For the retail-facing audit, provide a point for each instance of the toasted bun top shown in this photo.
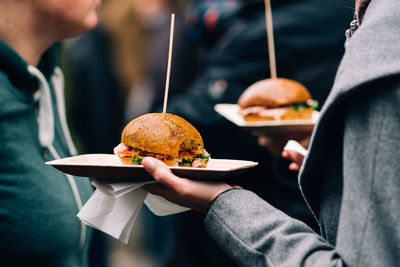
(271, 93)
(160, 133)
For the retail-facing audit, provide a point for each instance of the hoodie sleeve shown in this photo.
(253, 233)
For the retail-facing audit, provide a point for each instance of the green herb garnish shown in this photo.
(137, 160)
(309, 104)
(300, 106)
(204, 156)
(185, 163)
(313, 104)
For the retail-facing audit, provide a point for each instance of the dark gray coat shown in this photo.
(351, 178)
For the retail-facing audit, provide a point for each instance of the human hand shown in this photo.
(275, 143)
(271, 143)
(198, 195)
(296, 157)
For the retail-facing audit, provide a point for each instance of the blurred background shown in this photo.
(117, 72)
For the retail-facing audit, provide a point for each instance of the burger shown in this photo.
(276, 99)
(164, 136)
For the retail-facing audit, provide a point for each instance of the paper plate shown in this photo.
(231, 113)
(109, 168)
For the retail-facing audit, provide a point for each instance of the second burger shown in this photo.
(276, 99)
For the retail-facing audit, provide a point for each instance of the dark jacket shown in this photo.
(38, 222)
(350, 178)
(95, 96)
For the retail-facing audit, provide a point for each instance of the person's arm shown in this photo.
(253, 233)
(248, 229)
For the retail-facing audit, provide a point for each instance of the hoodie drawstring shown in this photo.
(58, 82)
(45, 120)
(45, 116)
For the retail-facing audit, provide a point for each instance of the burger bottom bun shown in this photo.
(128, 161)
(291, 114)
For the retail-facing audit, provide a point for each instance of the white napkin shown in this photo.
(113, 208)
(293, 145)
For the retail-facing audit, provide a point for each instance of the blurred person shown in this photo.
(101, 66)
(309, 43)
(349, 177)
(157, 22)
(117, 71)
(38, 222)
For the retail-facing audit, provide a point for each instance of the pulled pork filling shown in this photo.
(189, 156)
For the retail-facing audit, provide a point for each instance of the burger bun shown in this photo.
(272, 93)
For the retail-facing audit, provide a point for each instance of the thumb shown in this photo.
(160, 172)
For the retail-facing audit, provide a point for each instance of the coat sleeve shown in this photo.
(253, 233)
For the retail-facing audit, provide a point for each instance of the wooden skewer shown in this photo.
(270, 35)
(171, 41)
